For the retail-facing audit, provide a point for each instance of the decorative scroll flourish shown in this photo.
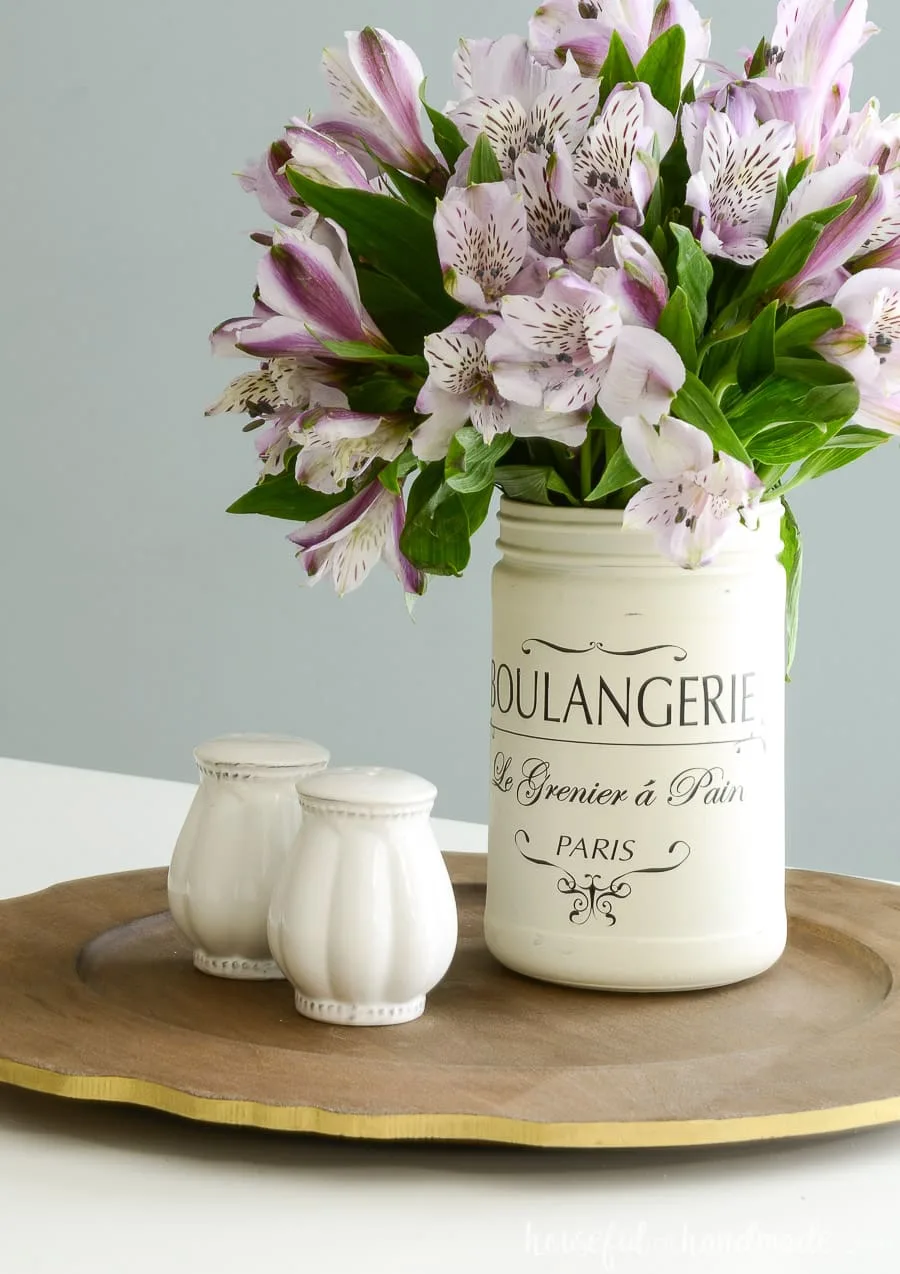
(527, 647)
(597, 896)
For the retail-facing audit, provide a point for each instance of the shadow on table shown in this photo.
(155, 1133)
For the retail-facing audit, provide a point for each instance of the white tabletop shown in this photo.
(115, 1190)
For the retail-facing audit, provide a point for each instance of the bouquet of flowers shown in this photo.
(611, 273)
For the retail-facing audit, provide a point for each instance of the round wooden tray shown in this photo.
(99, 1000)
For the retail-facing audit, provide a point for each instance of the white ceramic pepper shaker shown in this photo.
(363, 921)
(233, 846)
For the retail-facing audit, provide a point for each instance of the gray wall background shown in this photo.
(137, 618)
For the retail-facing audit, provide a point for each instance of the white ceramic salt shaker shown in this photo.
(233, 846)
(363, 921)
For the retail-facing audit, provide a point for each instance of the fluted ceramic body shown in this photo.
(637, 712)
(241, 825)
(363, 921)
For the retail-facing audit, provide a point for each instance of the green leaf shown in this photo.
(404, 317)
(382, 391)
(421, 198)
(790, 253)
(360, 352)
(389, 235)
(792, 561)
(471, 461)
(617, 69)
(805, 327)
(813, 370)
(437, 532)
(662, 65)
(757, 357)
(841, 450)
(786, 444)
(797, 172)
(677, 326)
(485, 167)
(759, 64)
(532, 484)
(283, 497)
(392, 475)
(788, 400)
(698, 407)
(619, 473)
(653, 218)
(448, 139)
(694, 273)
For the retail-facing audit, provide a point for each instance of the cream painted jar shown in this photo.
(637, 713)
(363, 921)
(233, 846)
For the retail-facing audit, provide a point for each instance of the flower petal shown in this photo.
(265, 178)
(482, 237)
(550, 222)
(319, 157)
(644, 376)
(300, 279)
(664, 454)
(447, 413)
(391, 74)
(456, 361)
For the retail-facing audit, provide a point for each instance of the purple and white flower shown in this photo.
(308, 293)
(375, 83)
(553, 351)
(868, 344)
(339, 445)
(635, 278)
(319, 157)
(279, 435)
(813, 48)
(550, 223)
(844, 238)
(583, 29)
(693, 500)
(734, 184)
(610, 176)
(265, 178)
(483, 243)
(644, 375)
(519, 104)
(461, 388)
(350, 540)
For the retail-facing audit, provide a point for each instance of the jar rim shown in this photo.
(352, 788)
(260, 752)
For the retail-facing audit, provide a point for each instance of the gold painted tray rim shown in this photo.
(455, 1127)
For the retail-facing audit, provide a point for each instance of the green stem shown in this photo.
(587, 467)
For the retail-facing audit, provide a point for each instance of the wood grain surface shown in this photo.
(99, 1000)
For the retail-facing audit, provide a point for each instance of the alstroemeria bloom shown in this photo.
(868, 344)
(645, 373)
(338, 446)
(875, 143)
(611, 175)
(276, 386)
(265, 178)
(692, 499)
(584, 28)
(309, 293)
(521, 106)
(843, 238)
(637, 281)
(461, 388)
(735, 181)
(550, 223)
(277, 437)
(347, 542)
(813, 47)
(483, 244)
(375, 83)
(553, 351)
(320, 158)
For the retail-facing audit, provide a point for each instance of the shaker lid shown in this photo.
(270, 751)
(368, 786)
